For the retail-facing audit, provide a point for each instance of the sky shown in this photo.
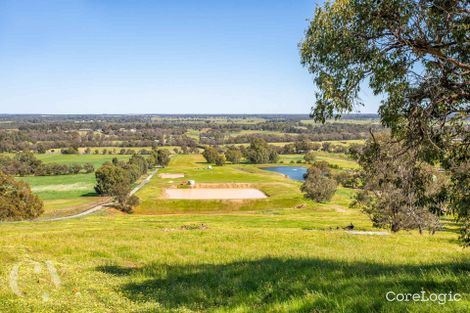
(173, 56)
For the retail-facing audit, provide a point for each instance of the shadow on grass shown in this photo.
(89, 194)
(295, 285)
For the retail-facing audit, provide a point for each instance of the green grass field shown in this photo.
(68, 194)
(267, 255)
(338, 159)
(264, 261)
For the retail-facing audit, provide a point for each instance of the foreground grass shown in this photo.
(251, 262)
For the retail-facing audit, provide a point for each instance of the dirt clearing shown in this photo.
(215, 194)
(167, 175)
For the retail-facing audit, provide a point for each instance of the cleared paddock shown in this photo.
(215, 194)
(168, 175)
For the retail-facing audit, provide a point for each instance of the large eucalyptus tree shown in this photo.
(414, 54)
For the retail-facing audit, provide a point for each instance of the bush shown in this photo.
(70, 150)
(128, 204)
(320, 189)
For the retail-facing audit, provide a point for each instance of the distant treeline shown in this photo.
(39, 134)
(25, 164)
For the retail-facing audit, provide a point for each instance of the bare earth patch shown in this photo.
(215, 193)
(167, 175)
(62, 187)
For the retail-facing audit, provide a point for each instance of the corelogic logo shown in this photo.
(38, 268)
(423, 296)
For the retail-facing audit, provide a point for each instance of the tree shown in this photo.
(349, 179)
(140, 162)
(317, 185)
(309, 157)
(415, 54)
(326, 146)
(399, 192)
(88, 168)
(210, 154)
(41, 149)
(112, 180)
(220, 160)
(28, 163)
(17, 202)
(75, 168)
(260, 152)
(233, 155)
(163, 157)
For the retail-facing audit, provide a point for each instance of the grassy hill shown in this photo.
(268, 261)
(280, 254)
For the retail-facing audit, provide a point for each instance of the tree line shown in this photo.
(258, 152)
(25, 164)
(117, 177)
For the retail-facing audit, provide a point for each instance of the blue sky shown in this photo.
(117, 56)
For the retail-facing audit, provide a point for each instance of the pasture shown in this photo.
(279, 254)
(281, 192)
(68, 194)
(280, 260)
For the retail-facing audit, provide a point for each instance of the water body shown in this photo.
(293, 172)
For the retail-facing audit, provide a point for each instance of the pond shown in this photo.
(293, 172)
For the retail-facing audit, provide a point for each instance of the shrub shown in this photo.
(70, 150)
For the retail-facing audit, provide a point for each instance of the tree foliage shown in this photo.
(260, 152)
(400, 192)
(233, 155)
(163, 157)
(416, 55)
(210, 154)
(112, 180)
(318, 184)
(17, 202)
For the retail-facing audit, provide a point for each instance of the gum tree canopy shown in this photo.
(414, 54)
